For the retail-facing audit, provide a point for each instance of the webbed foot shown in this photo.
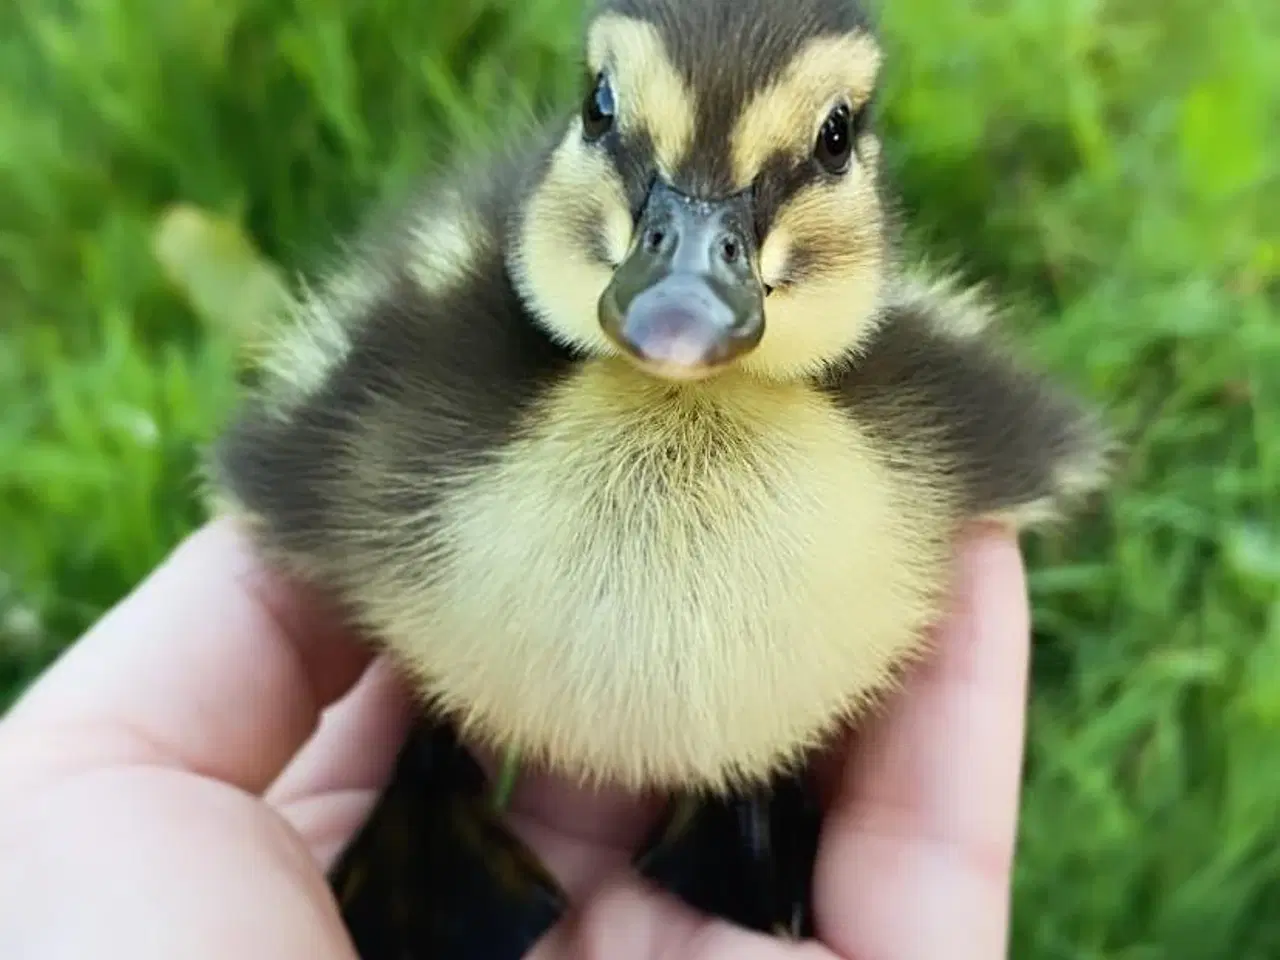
(435, 874)
(747, 858)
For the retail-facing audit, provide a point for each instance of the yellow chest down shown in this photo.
(671, 586)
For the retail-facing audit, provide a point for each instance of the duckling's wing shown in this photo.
(957, 410)
(384, 391)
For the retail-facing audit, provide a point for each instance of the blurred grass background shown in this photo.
(1109, 165)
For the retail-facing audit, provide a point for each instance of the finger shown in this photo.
(917, 852)
(212, 664)
(330, 788)
(356, 743)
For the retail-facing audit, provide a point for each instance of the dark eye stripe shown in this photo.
(633, 155)
(597, 243)
(801, 261)
(780, 178)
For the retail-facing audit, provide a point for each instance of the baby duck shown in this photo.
(645, 457)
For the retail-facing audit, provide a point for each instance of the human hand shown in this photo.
(179, 782)
(161, 791)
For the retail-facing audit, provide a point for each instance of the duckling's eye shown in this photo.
(598, 109)
(835, 140)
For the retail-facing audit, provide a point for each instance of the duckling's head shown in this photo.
(714, 203)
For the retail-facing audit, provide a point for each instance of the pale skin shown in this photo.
(177, 784)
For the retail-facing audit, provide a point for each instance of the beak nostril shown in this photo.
(653, 239)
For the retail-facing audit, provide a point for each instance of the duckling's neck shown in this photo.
(725, 409)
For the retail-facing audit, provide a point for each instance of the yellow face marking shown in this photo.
(814, 321)
(552, 261)
(825, 70)
(651, 95)
(838, 224)
(582, 193)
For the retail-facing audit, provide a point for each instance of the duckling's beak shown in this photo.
(688, 300)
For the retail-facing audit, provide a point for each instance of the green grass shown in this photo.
(1109, 165)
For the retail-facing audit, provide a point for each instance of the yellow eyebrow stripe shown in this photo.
(774, 121)
(652, 96)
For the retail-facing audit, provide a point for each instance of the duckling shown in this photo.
(644, 454)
